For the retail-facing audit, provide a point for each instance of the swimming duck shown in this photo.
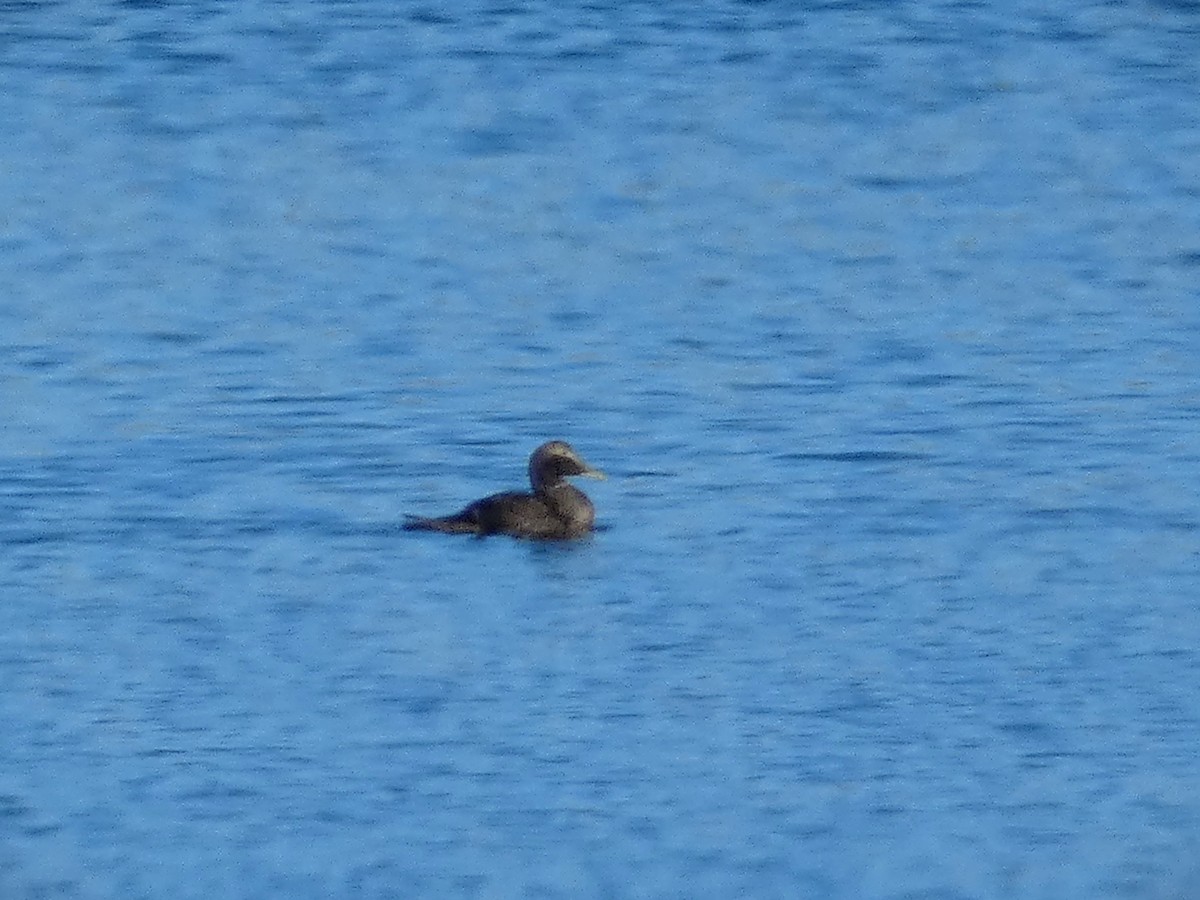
(555, 510)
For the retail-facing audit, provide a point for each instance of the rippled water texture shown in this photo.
(884, 320)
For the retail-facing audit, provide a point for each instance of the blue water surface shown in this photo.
(883, 319)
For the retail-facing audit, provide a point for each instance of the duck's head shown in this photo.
(554, 461)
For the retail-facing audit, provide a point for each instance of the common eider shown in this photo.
(555, 510)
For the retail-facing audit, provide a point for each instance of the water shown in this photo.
(882, 318)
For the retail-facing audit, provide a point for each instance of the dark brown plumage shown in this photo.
(555, 510)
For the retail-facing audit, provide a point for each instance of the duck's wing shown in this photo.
(515, 513)
(518, 514)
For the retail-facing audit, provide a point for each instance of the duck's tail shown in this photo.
(458, 524)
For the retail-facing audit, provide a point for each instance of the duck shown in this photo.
(554, 510)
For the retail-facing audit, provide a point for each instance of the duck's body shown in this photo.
(555, 510)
